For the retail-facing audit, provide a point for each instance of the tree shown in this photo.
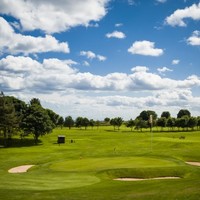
(69, 122)
(92, 123)
(78, 122)
(53, 116)
(171, 122)
(198, 122)
(183, 112)
(162, 122)
(182, 122)
(192, 122)
(117, 121)
(97, 123)
(8, 118)
(36, 121)
(166, 114)
(131, 124)
(140, 123)
(145, 115)
(35, 101)
(85, 122)
(107, 120)
(60, 122)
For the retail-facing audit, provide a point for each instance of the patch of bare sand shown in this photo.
(143, 179)
(193, 163)
(20, 169)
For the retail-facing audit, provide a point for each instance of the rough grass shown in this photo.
(85, 169)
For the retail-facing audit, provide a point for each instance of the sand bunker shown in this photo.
(20, 169)
(193, 163)
(143, 179)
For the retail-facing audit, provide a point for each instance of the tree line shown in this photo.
(18, 117)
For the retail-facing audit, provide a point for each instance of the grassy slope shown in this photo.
(86, 169)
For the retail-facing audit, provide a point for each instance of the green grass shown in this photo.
(86, 169)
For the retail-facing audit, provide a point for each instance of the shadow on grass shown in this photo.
(18, 142)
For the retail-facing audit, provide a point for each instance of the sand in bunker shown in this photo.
(143, 179)
(20, 169)
(194, 163)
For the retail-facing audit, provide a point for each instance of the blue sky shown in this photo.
(102, 58)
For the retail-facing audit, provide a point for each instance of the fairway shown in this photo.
(87, 167)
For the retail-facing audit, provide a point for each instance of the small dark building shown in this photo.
(61, 139)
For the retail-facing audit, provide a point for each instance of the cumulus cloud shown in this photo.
(145, 48)
(15, 43)
(116, 34)
(59, 75)
(194, 40)
(91, 55)
(57, 81)
(175, 62)
(54, 16)
(177, 18)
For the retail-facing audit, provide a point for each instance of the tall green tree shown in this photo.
(183, 112)
(171, 122)
(78, 122)
(60, 122)
(140, 123)
(116, 122)
(69, 122)
(8, 118)
(85, 122)
(53, 116)
(92, 123)
(145, 115)
(130, 124)
(36, 121)
(182, 122)
(192, 122)
(162, 122)
(166, 114)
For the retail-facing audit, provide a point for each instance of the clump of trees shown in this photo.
(18, 117)
(184, 121)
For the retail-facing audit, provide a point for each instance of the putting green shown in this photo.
(48, 181)
(98, 164)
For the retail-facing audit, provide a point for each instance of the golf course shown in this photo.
(103, 163)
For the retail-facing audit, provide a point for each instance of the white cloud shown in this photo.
(145, 48)
(85, 63)
(140, 69)
(131, 2)
(118, 24)
(58, 75)
(11, 42)
(88, 54)
(175, 62)
(54, 16)
(56, 81)
(177, 18)
(101, 58)
(116, 34)
(194, 40)
(161, 1)
(91, 55)
(163, 70)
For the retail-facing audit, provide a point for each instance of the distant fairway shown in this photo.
(86, 168)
